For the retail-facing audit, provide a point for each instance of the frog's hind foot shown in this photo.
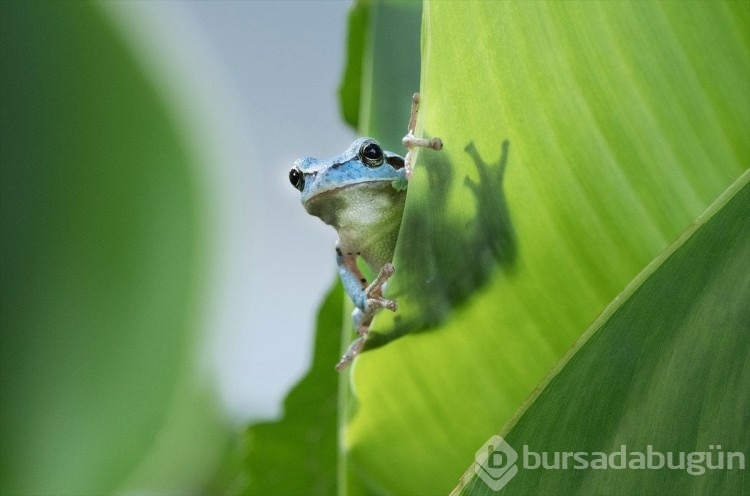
(351, 353)
(374, 292)
(362, 319)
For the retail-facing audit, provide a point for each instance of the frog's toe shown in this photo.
(351, 353)
(376, 303)
(386, 271)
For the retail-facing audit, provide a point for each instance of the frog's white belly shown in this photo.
(367, 217)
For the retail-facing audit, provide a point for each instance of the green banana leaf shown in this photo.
(581, 140)
(601, 131)
(664, 369)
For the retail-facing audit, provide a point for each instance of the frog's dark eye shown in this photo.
(371, 154)
(297, 179)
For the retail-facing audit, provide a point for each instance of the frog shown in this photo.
(361, 193)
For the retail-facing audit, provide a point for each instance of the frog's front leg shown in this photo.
(368, 299)
(410, 140)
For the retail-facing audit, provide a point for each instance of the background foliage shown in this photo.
(101, 260)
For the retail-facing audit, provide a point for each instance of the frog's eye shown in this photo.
(371, 154)
(296, 178)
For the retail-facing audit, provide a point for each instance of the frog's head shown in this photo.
(364, 170)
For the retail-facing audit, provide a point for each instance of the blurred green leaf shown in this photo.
(101, 256)
(391, 72)
(298, 454)
(382, 68)
(580, 140)
(350, 89)
(664, 366)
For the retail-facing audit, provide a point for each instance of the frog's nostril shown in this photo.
(297, 178)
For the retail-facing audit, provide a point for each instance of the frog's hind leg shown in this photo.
(368, 300)
(410, 140)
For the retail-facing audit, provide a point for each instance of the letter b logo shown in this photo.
(496, 463)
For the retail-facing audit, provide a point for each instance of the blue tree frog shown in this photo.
(361, 193)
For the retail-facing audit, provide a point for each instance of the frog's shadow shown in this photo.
(466, 253)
